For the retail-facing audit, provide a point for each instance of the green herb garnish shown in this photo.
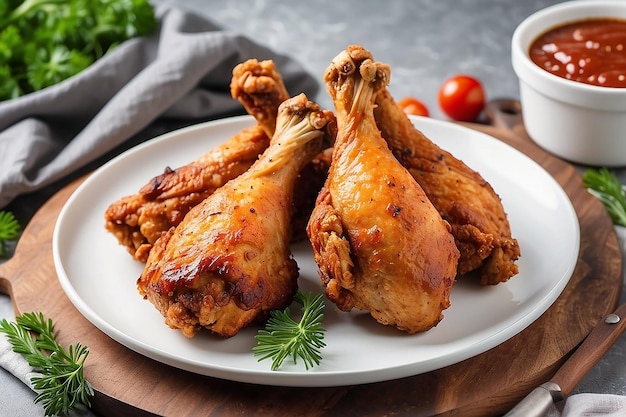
(9, 230)
(284, 337)
(62, 385)
(43, 42)
(608, 189)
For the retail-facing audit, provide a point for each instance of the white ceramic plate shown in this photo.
(98, 275)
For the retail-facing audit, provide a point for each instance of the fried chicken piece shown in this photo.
(260, 89)
(379, 243)
(461, 195)
(229, 262)
(138, 220)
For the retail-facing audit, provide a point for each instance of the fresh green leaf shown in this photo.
(44, 42)
(608, 189)
(10, 44)
(284, 337)
(9, 86)
(62, 385)
(9, 226)
(50, 67)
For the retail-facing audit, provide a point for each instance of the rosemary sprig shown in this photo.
(284, 337)
(603, 184)
(9, 230)
(62, 385)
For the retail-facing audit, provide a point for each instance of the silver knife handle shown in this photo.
(538, 402)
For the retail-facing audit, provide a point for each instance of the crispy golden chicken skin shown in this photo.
(379, 243)
(138, 220)
(460, 194)
(228, 262)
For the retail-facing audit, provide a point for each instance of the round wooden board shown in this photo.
(127, 383)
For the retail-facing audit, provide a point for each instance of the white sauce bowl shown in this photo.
(579, 122)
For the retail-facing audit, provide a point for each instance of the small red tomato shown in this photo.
(411, 105)
(462, 98)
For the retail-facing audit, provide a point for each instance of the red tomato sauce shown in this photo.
(590, 51)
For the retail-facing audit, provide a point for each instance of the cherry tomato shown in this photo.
(411, 105)
(462, 98)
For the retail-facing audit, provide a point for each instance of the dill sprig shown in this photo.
(603, 184)
(284, 337)
(61, 387)
(9, 230)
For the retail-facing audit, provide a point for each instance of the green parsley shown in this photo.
(43, 42)
(608, 189)
(62, 385)
(284, 337)
(9, 230)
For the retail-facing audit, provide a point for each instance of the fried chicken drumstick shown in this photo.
(138, 220)
(228, 262)
(379, 243)
(462, 197)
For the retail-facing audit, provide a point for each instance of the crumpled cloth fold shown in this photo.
(182, 71)
(15, 363)
(592, 405)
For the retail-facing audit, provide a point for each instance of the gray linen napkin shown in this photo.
(183, 71)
